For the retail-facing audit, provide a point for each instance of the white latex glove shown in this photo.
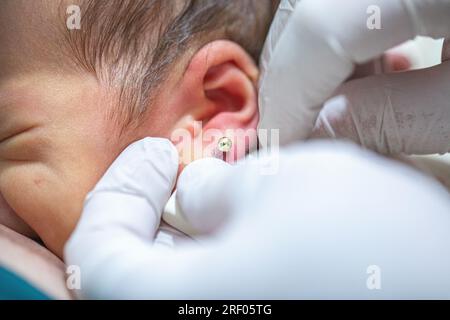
(313, 48)
(403, 113)
(273, 243)
(121, 215)
(330, 206)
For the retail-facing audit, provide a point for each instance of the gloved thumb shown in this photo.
(202, 196)
(147, 168)
(138, 183)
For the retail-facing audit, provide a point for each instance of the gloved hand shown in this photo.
(273, 244)
(314, 46)
(124, 210)
(403, 113)
(327, 202)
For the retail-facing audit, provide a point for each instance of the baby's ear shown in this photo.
(218, 96)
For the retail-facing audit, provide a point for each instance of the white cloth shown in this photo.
(312, 49)
(313, 230)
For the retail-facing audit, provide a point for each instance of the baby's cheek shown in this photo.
(24, 185)
(36, 195)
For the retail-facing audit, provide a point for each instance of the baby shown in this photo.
(71, 99)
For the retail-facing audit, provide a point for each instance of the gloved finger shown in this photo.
(284, 12)
(392, 114)
(203, 210)
(315, 55)
(138, 183)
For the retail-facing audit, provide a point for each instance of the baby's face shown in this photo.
(56, 133)
(55, 141)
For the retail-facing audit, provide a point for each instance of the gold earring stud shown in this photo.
(224, 145)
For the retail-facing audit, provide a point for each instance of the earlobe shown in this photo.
(219, 92)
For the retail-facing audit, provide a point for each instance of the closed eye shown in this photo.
(10, 136)
(28, 144)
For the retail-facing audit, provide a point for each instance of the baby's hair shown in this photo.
(133, 44)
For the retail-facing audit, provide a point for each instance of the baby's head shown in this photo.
(72, 99)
